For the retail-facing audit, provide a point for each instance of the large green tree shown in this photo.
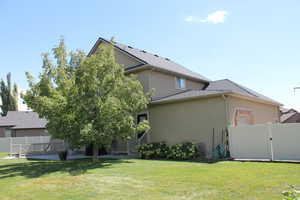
(9, 95)
(87, 100)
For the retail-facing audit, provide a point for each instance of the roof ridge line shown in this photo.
(113, 43)
(241, 87)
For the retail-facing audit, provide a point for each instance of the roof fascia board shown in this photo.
(188, 98)
(94, 48)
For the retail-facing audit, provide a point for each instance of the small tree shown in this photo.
(87, 100)
(9, 95)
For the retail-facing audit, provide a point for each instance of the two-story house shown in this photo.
(187, 106)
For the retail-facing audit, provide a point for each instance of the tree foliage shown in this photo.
(87, 99)
(9, 95)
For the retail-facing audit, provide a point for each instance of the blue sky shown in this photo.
(255, 43)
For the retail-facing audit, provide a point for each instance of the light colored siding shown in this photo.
(165, 84)
(263, 113)
(192, 121)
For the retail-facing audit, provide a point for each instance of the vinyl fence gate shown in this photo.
(265, 142)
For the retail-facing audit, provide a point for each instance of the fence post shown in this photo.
(213, 143)
(270, 138)
(10, 139)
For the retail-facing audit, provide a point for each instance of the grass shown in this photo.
(22, 179)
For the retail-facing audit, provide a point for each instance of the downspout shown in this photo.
(226, 110)
(226, 124)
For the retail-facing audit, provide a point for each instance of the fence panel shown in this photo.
(265, 141)
(5, 142)
(286, 141)
(249, 142)
(5, 145)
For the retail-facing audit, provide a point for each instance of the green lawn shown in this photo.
(144, 179)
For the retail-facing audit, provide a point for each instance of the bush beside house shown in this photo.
(182, 151)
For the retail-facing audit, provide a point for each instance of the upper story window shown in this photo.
(180, 83)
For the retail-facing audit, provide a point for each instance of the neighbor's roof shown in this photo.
(22, 120)
(216, 88)
(153, 60)
(286, 116)
(287, 110)
(287, 113)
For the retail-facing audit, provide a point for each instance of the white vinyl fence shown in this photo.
(25, 145)
(265, 141)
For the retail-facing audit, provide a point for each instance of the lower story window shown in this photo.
(140, 118)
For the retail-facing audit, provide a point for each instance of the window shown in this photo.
(180, 83)
(140, 118)
(243, 117)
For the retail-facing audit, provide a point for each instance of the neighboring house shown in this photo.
(22, 123)
(289, 115)
(187, 106)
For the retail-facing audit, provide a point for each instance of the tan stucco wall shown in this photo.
(192, 121)
(122, 58)
(125, 60)
(30, 132)
(143, 77)
(165, 84)
(263, 113)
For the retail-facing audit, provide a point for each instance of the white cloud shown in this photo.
(215, 18)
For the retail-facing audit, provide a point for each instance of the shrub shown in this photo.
(291, 194)
(184, 151)
(153, 150)
(63, 155)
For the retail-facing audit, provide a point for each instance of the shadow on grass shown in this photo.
(37, 168)
(200, 160)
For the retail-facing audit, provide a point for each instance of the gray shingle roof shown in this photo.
(216, 88)
(228, 85)
(155, 61)
(286, 116)
(287, 110)
(22, 120)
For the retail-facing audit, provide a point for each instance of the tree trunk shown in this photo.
(95, 152)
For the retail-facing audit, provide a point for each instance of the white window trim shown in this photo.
(177, 86)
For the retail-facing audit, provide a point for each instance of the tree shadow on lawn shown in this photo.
(35, 169)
